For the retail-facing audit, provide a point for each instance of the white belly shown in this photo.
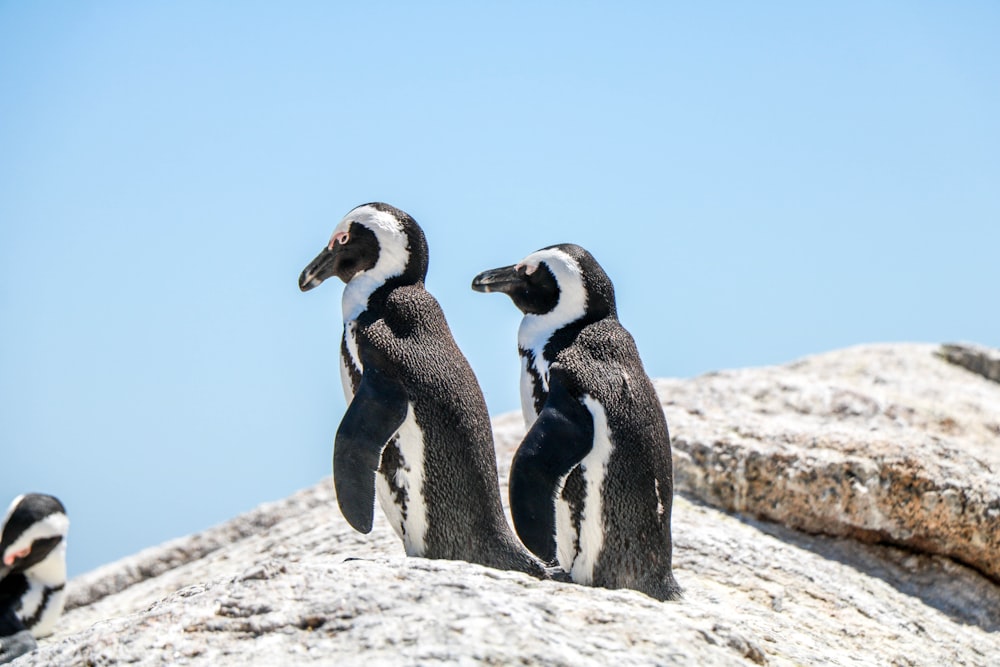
(353, 358)
(49, 616)
(578, 552)
(411, 528)
(527, 395)
(49, 573)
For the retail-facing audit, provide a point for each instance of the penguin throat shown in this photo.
(393, 260)
(535, 330)
(51, 570)
(357, 293)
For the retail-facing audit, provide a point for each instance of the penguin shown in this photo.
(32, 572)
(416, 434)
(591, 484)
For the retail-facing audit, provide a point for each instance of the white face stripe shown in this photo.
(580, 564)
(410, 476)
(535, 330)
(392, 258)
(54, 525)
(572, 305)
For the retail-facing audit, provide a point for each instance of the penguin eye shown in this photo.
(340, 238)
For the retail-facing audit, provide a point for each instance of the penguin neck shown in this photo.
(536, 329)
(363, 301)
(367, 291)
(535, 333)
(51, 570)
(357, 293)
(538, 344)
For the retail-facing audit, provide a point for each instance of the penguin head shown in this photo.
(33, 537)
(560, 284)
(376, 242)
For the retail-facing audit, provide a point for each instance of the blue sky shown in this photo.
(762, 181)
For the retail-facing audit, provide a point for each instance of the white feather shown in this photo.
(572, 305)
(565, 532)
(413, 528)
(578, 552)
(535, 330)
(393, 257)
(48, 573)
(54, 525)
(353, 358)
(527, 394)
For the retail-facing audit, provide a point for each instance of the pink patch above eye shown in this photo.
(13, 556)
(339, 237)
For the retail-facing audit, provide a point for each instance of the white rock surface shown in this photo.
(883, 443)
(291, 583)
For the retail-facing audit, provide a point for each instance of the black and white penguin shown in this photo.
(416, 433)
(591, 485)
(32, 572)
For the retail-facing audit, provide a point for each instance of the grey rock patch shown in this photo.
(979, 359)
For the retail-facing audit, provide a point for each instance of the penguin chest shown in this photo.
(580, 525)
(41, 606)
(399, 485)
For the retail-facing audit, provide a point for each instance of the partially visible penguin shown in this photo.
(32, 572)
(591, 484)
(416, 433)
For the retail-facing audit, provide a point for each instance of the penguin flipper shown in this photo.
(558, 440)
(15, 639)
(374, 415)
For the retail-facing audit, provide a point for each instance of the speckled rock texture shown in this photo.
(292, 584)
(884, 443)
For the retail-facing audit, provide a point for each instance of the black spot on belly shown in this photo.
(574, 494)
(538, 392)
(392, 462)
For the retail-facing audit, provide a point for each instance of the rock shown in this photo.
(292, 583)
(756, 593)
(171, 556)
(882, 443)
(982, 360)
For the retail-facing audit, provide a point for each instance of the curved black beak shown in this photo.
(318, 270)
(505, 279)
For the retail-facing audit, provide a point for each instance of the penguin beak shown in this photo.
(505, 279)
(319, 269)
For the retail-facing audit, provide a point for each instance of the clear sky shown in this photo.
(761, 181)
